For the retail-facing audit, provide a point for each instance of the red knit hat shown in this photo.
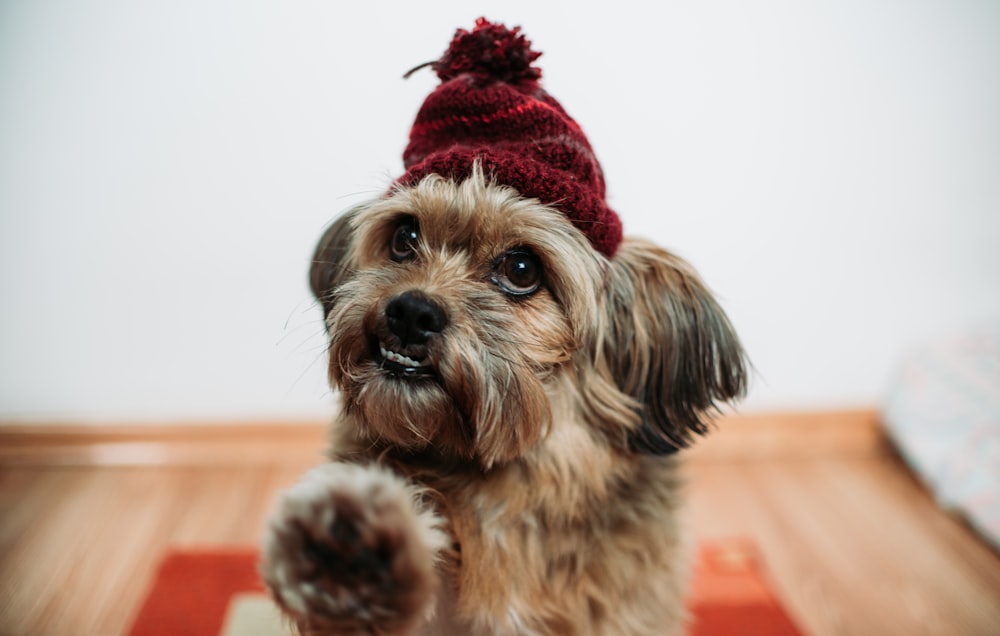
(490, 107)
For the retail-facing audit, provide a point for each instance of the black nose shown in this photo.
(414, 318)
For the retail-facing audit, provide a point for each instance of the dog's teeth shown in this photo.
(392, 356)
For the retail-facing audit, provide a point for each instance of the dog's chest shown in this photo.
(524, 544)
(564, 547)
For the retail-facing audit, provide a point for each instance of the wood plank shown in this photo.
(853, 544)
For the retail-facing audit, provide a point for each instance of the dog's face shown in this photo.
(455, 310)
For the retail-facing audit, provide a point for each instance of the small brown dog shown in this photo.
(516, 379)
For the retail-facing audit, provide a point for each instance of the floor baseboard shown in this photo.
(739, 437)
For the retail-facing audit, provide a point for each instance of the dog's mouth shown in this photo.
(408, 363)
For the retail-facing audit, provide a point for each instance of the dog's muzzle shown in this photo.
(414, 320)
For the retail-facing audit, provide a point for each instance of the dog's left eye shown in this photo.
(402, 245)
(518, 273)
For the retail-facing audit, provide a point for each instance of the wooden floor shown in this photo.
(853, 543)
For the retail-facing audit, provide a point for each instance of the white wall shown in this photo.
(832, 168)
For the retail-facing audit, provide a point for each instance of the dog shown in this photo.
(515, 388)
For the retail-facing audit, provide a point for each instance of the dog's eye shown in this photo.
(402, 246)
(518, 273)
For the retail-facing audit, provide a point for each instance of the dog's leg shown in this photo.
(352, 550)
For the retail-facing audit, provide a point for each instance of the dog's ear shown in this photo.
(669, 346)
(329, 264)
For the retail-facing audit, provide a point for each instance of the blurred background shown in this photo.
(832, 168)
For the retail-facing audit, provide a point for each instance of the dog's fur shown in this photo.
(528, 484)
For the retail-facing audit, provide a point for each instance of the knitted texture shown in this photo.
(490, 108)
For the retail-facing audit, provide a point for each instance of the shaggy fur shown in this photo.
(515, 472)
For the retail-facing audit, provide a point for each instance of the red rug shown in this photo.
(218, 593)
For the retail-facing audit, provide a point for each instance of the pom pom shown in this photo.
(491, 52)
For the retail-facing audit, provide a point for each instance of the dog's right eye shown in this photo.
(518, 273)
(402, 246)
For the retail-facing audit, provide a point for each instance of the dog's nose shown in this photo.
(414, 317)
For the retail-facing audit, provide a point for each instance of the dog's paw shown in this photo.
(352, 550)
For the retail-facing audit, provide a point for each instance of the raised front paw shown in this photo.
(351, 550)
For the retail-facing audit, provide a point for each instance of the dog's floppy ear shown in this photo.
(329, 263)
(669, 346)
